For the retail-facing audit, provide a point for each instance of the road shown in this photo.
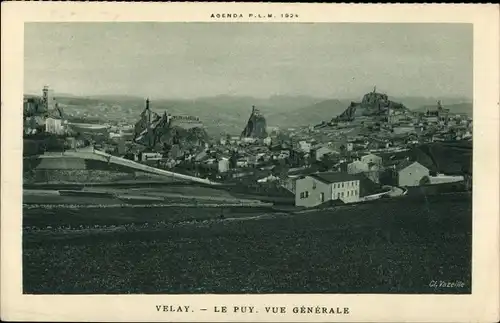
(89, 154)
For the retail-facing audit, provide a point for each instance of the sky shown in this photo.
(189, 60)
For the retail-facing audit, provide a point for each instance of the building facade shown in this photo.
(320, 152)
(372, 158)
(223, 165)
(357, 167)
(304, 146)
(54, 126)
(316, 189)
(411, 174)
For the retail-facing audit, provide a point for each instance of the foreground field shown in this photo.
(392, 247)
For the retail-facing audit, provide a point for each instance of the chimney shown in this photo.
(147, 104)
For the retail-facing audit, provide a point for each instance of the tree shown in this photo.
(326, 162)
(343, 149)
(281, 169)
(425, 180)
(233, 160)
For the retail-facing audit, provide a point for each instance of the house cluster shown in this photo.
(349, 147)
(360, 178)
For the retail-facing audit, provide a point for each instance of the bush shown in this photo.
(425, 180)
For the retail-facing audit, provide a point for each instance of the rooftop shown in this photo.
(405, 163)
(334, 177)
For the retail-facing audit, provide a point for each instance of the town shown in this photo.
(375, 149)
(250, 158)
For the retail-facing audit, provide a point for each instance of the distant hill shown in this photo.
(229, 114)
(219, 114)
(308, 115)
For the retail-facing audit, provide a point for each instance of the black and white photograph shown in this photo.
(247, 158)
(228, 157)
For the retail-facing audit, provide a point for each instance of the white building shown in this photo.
(235, 140)
(357, 167)
(283, 154)
(267, 141)
(399, 130)
(223, 165)
(151, 156)
(248, 140)
(114, 135)
(441, 179)
(325, 150)
(304, 146)
(315, 189)
(53, 125)
(410, 173)
(372, 158)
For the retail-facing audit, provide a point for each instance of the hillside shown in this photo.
(373, 104)
(229, 114)
(308, 115)
(445, 157)
(456, 108)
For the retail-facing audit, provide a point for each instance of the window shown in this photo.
(322, 196)
(338, 195)
(342, 185)
(348, 193)
(342, 194)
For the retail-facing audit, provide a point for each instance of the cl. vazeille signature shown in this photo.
(446, 284)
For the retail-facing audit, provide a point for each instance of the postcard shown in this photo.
(250, 162)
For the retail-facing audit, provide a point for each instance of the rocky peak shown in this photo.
(154, 130)
(372, 104)
(256, 125)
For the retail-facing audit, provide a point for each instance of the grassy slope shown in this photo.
(397, 246)
(449, 158)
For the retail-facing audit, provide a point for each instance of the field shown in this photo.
(395, 246)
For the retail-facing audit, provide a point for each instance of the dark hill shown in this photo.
(373, 104)
(445, 157)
